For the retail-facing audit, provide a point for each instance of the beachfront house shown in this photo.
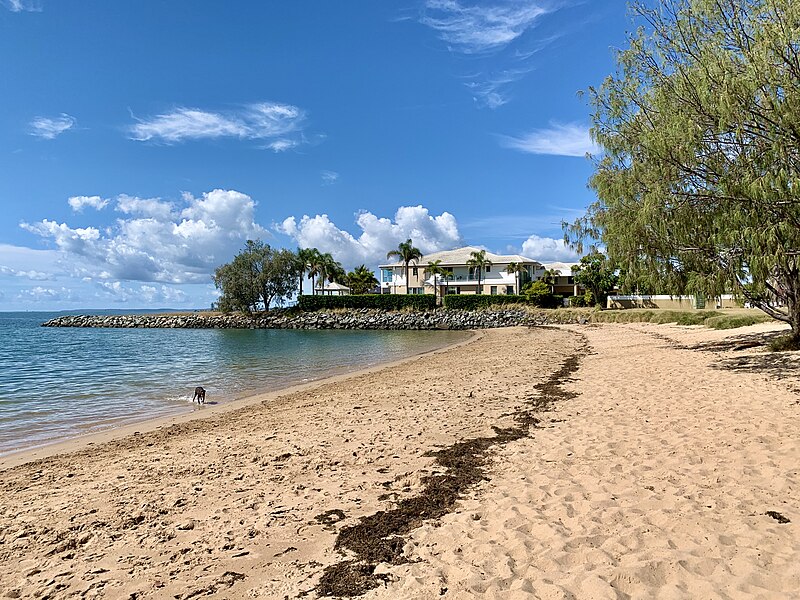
(564, 283)
(459, 278)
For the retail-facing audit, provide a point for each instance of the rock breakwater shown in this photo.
(350, 319)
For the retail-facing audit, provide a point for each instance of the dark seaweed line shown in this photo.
(378, 538)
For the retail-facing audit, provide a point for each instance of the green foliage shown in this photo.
(699, 182)
(597, 275)
(381, 301)
(258, 276)
(540, 294)
(476, 301)
(361, 280)
(584, 300)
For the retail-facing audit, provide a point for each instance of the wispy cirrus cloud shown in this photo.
(22, 5)
(49, 128)
(274, 121)
(492, 90)
(493, 36)
(78, 203)
(329, 177)
(560, 139)
(477, 28)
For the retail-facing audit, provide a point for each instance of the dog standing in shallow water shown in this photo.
(199, 394)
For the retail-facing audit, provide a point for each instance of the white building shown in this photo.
(460, 277)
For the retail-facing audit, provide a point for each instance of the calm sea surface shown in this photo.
(59, 383)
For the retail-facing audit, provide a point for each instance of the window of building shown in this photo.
(488, 268)
(386, 274)
(509, 289)
(415, 290)
(493, 290)
(570, 280)
(414, 271)
(454, 290)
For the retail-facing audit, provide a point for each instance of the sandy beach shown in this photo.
(613, 461)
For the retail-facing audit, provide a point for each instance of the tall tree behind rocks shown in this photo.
(256, 278)
(699, 181)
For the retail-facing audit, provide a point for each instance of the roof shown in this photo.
(460, 256)
(334, 286)
(565, 268)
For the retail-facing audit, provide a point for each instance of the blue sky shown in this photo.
(142, 142)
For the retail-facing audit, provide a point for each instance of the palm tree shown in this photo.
(478, 262)
(549, 278)
(314, 262)
(329, 269)
(304, 256)
(434, 269)
(406, 253)
(517, 269)
(361, 280)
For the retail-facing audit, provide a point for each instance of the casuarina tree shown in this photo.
(698, 183)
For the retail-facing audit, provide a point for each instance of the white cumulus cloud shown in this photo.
(155, 242)
(481, 27)
(261, 121)
(545, 249)
(570, 139)
(49, 128)
(378, 235)
(145, 207)
(78, 203)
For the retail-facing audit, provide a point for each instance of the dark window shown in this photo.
(488, 268)
(414, 271)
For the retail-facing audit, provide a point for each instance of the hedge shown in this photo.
(382, 301)
(473, 301)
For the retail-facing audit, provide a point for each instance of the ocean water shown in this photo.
(59, 383)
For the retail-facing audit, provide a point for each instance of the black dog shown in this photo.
(199, 394)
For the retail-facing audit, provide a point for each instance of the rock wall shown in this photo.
(351, 319)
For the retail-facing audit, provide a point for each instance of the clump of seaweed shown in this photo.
(378, 538)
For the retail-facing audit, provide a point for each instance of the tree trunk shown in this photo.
(408, 283)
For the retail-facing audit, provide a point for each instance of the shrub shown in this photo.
(734, 321)
(381, 301)
(785, 343)
(539, 294)
(476, 301)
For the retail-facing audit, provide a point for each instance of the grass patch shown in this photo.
(710, 318)
(734, 321)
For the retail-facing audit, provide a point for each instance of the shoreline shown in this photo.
(82, 441)
(643, 479)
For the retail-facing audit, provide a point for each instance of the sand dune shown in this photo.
(664, 477)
